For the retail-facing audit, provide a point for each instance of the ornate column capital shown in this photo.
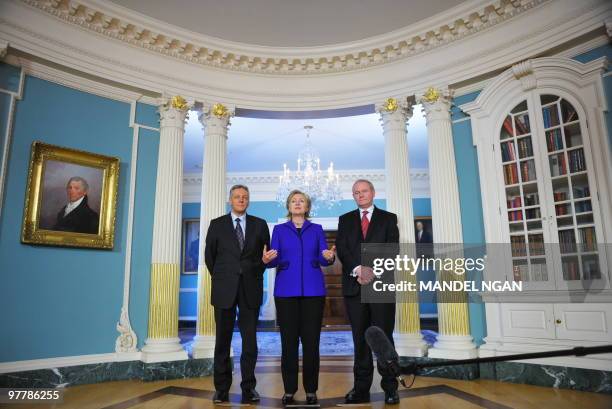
(173, 111)
(215, 118)
(436, 103)
(395, 113)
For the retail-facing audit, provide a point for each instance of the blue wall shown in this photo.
(66, 301)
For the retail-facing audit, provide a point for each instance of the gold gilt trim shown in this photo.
(431, 95)
(219, 110)
(200, 51)
(163, 300)
(31, 232)
(179, 102)
(390, 105)
(206, 314)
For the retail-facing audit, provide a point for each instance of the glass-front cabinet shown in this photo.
(552, 220)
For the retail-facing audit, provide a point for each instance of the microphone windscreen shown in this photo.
(380, 345)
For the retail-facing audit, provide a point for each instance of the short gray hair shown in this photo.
(238, 187)
(363, 181)
(79, 179)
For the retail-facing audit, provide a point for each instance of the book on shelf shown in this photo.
(581, 191)
(524, 147)
(554, 140)
(567, 241)
(521, 122)
(517, 246)
(507, 150)
(531, 214)
(516, 215)
(557, 165)
(576, 160)
(528, 170)
(550, 116)
(507, 127)
(513, 202)
(561, 210)
(583, 206)
(510, 174)
(560, 196)
(570, 269)
(588, 239)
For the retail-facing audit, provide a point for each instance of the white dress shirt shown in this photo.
(72, 205)
(242, 222)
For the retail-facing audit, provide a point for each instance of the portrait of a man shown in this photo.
(71, 198)
(76, 216)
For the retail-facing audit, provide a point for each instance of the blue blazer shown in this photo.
(299, 260)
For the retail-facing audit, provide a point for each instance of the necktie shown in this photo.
(239, 234)
(364, 223)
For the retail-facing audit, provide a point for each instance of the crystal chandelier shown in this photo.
(323, 188)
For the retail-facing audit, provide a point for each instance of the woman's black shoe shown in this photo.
(311, 399)
(288, 399)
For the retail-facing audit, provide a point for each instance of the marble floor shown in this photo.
(333, 343)
(335, 380)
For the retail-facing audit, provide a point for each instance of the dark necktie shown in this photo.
(239, 234)
(364, 223)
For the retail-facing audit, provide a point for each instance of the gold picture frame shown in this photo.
(71, 198)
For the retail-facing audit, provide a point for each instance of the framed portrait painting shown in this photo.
(71, 198)
(191, 245)
(422, 230)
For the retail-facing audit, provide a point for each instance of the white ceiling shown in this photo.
(352, 142)
(290, 23)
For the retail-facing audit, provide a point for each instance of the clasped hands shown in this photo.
(269, 255)
(364, 275)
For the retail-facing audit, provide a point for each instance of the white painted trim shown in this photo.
(127, 340)
(188, 290)
(94, 86)
(584, 47)
(8, 136)
(52, 363)
(456, 121)
(465, 20)
(188, 318)
(529, 34)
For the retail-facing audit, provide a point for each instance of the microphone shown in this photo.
(384, 352)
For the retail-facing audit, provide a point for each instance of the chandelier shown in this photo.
(322, 187)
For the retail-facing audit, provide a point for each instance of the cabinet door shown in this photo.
(571, 196)
(583, 322)
(528, 320)
(525, 214)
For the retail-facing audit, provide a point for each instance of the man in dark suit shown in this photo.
(421, 235)
(77, 216)
(367, 224)
(233, 252)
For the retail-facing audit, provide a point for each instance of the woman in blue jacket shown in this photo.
(298, 250)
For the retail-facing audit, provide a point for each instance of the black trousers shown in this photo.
(361, 316)
(247, 323)
(299, 318)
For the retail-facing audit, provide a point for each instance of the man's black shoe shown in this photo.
(250, 395)
(356, 397)
(288, 399)
(392, 398)
(311, 399)
(221, 396)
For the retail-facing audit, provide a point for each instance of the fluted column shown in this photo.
(454, 339)
(394, 117)
(216, 120)
(163, 343)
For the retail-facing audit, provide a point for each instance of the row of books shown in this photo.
(567, 241)
(510, 174)
(528, 170)
(531, 214)
(560, 196)
(551, 116)
(576, 160)
(521, 123)
(513, 202)
(515, 215)
(507, 151)
(588, 239)
(562, 210)
(537, 272)
(554, 140)
(531, 199)
(583, 206)
(581, 191)
(570, 269)
(517, 246)
(557, 165)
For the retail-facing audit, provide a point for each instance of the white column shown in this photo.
(454, 340)
(216, 120)
(394, 117)
(163, 343)
(268, 309)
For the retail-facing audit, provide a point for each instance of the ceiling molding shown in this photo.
(133, 28)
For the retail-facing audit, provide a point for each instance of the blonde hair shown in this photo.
(306, 197)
